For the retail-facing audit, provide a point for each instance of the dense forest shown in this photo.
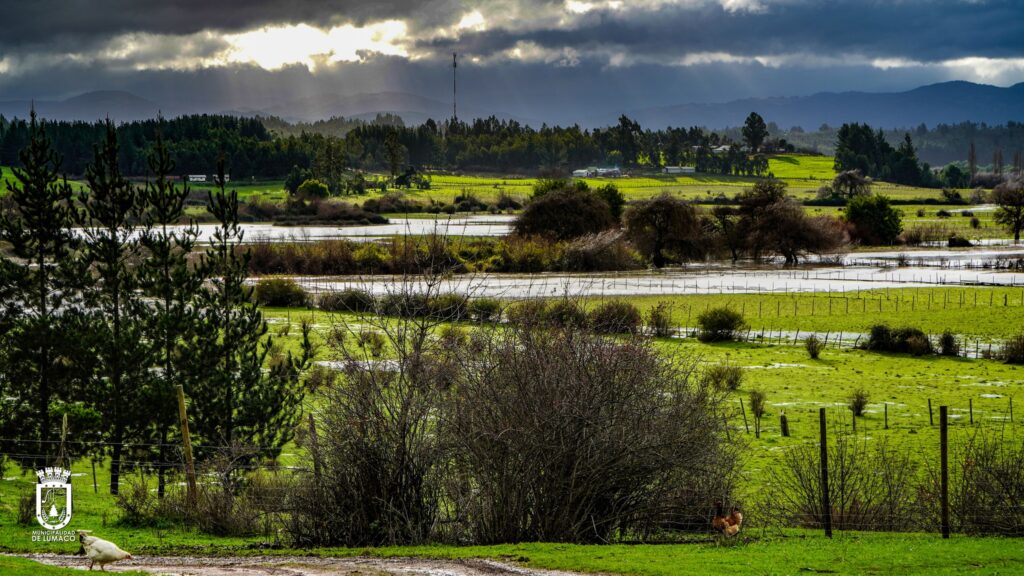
(269, 148)
(938, 145)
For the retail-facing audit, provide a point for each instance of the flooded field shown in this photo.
(678, 281)
(483, 225)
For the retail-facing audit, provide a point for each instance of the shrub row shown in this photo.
(416, 255)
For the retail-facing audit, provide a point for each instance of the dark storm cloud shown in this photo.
(928, 30)
(38, 22)
(38, 33)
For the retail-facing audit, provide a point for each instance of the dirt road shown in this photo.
(302, 566)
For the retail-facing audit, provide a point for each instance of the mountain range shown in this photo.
(947, 102)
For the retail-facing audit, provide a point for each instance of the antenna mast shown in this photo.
(455, 115)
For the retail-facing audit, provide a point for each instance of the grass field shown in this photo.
(927, 215)
(898, 384)
(804, 174)
(985, 313)
(854, 553)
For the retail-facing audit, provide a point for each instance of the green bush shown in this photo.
(1013, 350)
(720, 324)
(283, 292)
(724, 376)
(873, 220)
(858, 402)
(906, 340)
(449, 307)
(405, 305)
(566, 313)
(814, 346)
(615, 317)
(485, 310)
(659, 320)
(313, 189)
(348, 300)
(948, 344)
(528, 313)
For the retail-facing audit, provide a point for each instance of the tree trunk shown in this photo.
(115, 465)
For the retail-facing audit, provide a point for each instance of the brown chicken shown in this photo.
(728, 525)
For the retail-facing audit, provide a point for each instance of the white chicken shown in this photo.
(100, 551)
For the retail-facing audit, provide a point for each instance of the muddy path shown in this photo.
(302, 566)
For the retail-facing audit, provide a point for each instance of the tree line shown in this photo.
(271, 149)
(107, 306)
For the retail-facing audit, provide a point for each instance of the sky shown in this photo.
(548, 59)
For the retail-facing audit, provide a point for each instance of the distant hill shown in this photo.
(412, 108)
(947, 102)
(117, 105)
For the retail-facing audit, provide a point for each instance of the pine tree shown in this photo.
(43, 353)
(172, 284)
(122, 351)
(972, 160)
(239, 405)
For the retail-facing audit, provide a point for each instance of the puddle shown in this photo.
(303, 566)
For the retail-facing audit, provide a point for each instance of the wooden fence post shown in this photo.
(314, 444)
(886, 415)
(931, 421)
(784, 425)
(970, 409)
(826, 504)
(186, 440)
(944, 465)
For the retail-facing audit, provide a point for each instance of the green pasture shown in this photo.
(798, 553)
(265, 191)
(978, 313)
(800, 386)
(927, 216)
(899, 387)
(803, 173)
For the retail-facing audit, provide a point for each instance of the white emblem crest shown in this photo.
(53, 498)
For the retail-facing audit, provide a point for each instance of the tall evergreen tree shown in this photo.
(112, 205)
(43, 308)
(172, 284)
(238, 403)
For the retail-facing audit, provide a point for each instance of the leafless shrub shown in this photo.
(606, 250)
(986, 485)
(922, 233)
(562, 435)
(871, 486)
(376, 446)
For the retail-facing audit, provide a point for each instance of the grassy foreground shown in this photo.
(847, 554)
(855, 553)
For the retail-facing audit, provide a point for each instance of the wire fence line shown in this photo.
(837, 283)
